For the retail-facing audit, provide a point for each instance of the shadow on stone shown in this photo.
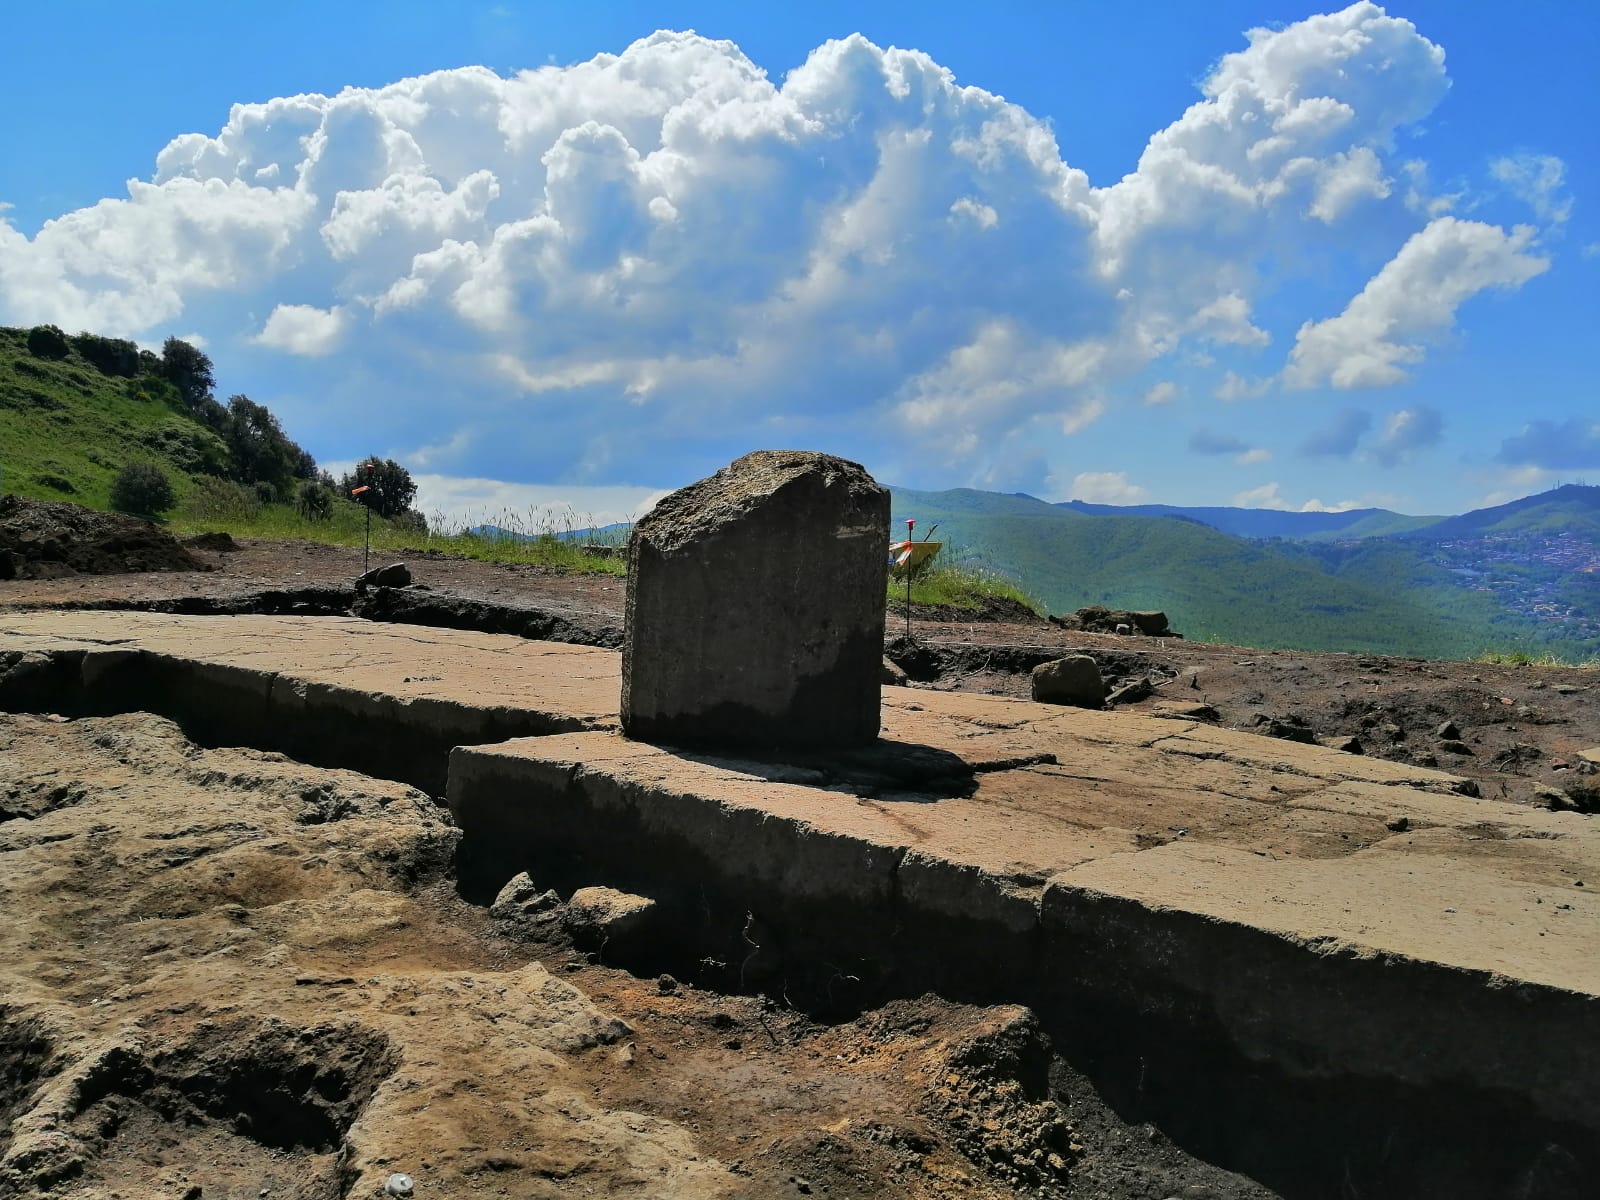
(909, 770)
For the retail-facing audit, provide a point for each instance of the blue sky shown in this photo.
(1128, 253)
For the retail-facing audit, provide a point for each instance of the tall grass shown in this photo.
(1521, 658)
(557, 540)
(958, 578)
(958, 586)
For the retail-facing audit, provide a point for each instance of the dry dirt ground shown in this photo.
(227, 974)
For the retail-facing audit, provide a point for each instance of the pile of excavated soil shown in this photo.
(988, 608)
(1097, 618)
(42, 539)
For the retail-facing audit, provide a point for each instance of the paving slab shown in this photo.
(1090, 786)
(389, 700)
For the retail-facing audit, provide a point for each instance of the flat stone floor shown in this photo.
(1293, 838)
(406, 663)
(1318, 845)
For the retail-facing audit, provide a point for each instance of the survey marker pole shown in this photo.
(366, 550)
(911, 524)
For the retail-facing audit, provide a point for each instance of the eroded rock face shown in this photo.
(755, 607)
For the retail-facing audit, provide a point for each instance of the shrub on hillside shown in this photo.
(46, 341)
(314, 502)
(142, 488)
(188, 447)
(221, 500)
(409, 521)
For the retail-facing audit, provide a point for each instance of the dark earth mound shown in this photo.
(985, 608)
(1097, 618)
(216, 543)
(42, 539)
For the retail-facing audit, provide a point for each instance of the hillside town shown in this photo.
(1545, 577)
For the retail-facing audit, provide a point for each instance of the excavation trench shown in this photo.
(324, 724)
(1128, 994)
(1320, 1071)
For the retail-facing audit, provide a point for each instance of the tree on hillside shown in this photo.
(392, 489)
(262, 452)
(188, 369)
(46, 341)
(109, 356)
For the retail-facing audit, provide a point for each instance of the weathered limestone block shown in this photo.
(755, 607)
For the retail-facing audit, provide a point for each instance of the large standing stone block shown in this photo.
(755, 607)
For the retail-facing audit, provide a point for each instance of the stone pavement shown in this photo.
(1319, 912)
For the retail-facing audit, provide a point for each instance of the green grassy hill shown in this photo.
(72, 418)
(68, 426)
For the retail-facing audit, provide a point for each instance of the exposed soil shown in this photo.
(227, 974)
(42, 539)
(1518, 730)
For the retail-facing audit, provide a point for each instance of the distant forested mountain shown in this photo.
(1523, 576)
(1268, 522)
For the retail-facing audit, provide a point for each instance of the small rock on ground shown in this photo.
(1073, 680)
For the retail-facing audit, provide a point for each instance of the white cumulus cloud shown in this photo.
(304, 329)
(1539, 181)
(1239, 387)
(1270, 495)
(1383, 330)
(1405, 432)
(1106, 487)
(1265, 496)
(455, 501)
